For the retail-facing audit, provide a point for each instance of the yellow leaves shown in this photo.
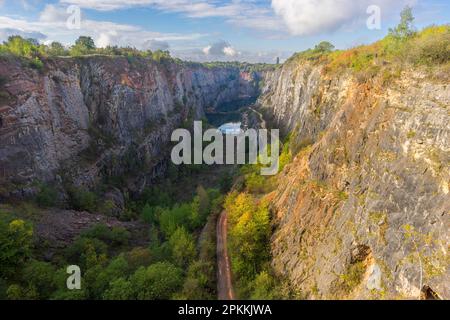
(237, 205)
(18, 226)
(434, 30)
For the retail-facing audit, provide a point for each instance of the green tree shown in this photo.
(161, 55)
(86, 252)
(405, 28)
(324, 47)
(171, 219)
(138, 257)
(99, 277)
(47, 196)
(156, 197)
(249, 234)
(159, 281)
(15, 244)
(82, 199)
(201, 207)
(22, 47)
(264, 287)
(183, 247)
(151, 214)
(200, 282)
(56, 49)
(16, 292)
(83, 45)
(119, 289)
(39, 276)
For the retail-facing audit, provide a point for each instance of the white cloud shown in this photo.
(154, 45)
(53, 13)
(192, 8)
(294, 17)
(247, 14)
(220, 48)
(229, 51)
(206, 50)
(51, 25)
(307, 17)
(199, 55)
(7, 32)
(103, 40)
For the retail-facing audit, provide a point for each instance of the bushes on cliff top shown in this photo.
(29, 49)
(429, 47)
(403, 44)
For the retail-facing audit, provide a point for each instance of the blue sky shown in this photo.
(201, 30)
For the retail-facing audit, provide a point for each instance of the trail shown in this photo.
(224, 283)
(262, 122)
(224, 278)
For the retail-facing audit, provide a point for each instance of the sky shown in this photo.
(215, 30)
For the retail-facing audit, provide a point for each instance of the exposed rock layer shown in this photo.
(89, 118)
(363, 210)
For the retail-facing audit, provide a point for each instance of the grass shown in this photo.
(351, 278)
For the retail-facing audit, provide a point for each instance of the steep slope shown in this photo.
(84, 119)
(363, 210)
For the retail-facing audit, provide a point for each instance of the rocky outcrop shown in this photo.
(84, 119)
(363, 210)
(56, 229)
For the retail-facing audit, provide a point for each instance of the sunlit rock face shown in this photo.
(363, 210)
(84, 119)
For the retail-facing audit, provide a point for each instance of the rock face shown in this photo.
(94, 117)
(363, 210)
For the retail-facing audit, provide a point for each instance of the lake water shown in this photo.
(230, 128)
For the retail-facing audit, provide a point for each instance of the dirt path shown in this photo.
(261, 118)
(224, 283)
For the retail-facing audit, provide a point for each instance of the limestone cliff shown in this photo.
(84, 119)
(363, 210)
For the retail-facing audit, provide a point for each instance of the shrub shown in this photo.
(264, 287)
(115, 236)
(201, 207)
(82, 199)
(156, 197)
(86, 252)
(26, 48)
(39, 275)
(430, 47)
(36, 63)
(47, 196)
(285, 156)
(138, 257)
